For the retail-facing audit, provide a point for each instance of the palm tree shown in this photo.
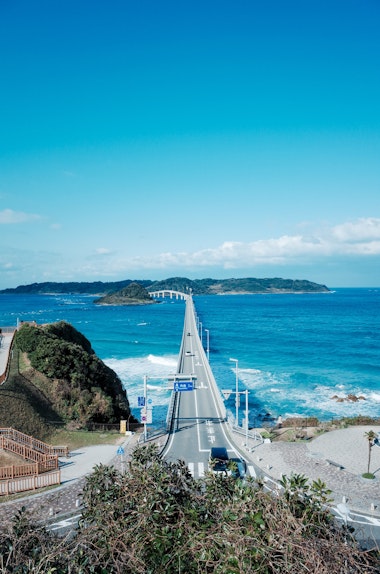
(371, 436)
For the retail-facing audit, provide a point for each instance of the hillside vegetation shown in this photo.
(197, 286)
(24, 407)
(134, 294)
(70, 383)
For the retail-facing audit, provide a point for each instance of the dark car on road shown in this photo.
(218, 461)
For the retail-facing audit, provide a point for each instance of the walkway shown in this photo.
(5, 342)
(347, 448)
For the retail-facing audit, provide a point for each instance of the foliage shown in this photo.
(156, 519)
(79, 385)
(24, 406)
(133, 294)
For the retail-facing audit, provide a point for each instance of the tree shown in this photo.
(371, 436)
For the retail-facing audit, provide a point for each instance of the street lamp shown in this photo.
(208, 344)
(246, 417)
(237, 390)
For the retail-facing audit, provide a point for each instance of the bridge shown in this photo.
(197, 419)
(169, 293)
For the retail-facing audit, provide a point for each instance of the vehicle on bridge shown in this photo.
(218, 461)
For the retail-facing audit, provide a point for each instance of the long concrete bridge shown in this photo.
(197, 417)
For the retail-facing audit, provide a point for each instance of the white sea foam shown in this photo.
(132, 371)
(165, 361)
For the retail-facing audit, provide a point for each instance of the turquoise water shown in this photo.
(295, 352)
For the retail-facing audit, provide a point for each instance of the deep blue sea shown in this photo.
(294, 352)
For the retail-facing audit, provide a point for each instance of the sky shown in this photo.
(147, 139)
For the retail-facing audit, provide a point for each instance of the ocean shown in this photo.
(298, 355)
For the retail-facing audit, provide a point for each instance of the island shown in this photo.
(208, 286)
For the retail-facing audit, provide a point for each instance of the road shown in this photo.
(199, 418)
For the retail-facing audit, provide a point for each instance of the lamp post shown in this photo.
(246, 417)
(237, 390)
(208, 344)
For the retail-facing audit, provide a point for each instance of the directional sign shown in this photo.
(141, 401)
(183, 386)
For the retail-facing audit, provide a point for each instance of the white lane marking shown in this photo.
(191, 467)
(252, 471)
(64, 523)
(201, 469)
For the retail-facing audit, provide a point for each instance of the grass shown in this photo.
(368, 475)
(81, 438)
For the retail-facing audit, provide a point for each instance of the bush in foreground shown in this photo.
(157, 519)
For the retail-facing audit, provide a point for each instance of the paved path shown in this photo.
(5, 342)
(347, 448)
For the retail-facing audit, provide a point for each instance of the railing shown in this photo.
(171, 411)
(22, 484)
(16, 471)
(46, 461)
(31, 443)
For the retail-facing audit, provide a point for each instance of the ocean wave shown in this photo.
(165, 361)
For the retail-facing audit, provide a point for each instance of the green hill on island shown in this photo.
(197, 286)
(56, 377)
(134, 294)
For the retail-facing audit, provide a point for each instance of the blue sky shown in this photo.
(148, 139)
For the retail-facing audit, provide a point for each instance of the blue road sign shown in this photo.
(183, 386)
(120, 450)
(141, 401)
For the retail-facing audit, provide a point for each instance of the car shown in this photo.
(218, 461)
(238, 468)
(188, 353)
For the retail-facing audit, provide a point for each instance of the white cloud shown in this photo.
(8, 216)
(348, 246)
(359, 238)
(362, 230)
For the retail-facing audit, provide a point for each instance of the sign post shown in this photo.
(183, 386)
(145, 417)
(120, 452)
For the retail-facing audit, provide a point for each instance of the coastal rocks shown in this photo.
(349, 398)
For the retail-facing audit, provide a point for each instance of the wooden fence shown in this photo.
(32, 443)
(42, 471)
(23, 484)
(16, 470)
